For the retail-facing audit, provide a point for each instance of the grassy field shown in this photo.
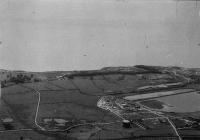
(86, 86)
(59, 99)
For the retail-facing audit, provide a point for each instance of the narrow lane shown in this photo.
(37, 110)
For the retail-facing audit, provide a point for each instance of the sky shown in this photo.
(45, 35)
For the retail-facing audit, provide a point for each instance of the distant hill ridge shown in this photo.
(117, 68)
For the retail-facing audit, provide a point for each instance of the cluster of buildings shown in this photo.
(124, 109)
(123, 104)
(131, 113)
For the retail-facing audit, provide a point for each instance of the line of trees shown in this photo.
(20, 78)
